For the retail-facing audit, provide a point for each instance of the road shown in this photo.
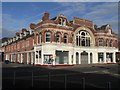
(94, 74)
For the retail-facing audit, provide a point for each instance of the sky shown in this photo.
(18, 15)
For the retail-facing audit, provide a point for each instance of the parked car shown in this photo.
(7, 61)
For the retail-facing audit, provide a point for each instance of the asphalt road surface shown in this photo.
(78, 76)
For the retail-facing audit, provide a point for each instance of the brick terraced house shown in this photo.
(79, 41)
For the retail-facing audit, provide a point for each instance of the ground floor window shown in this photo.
(109, 57)
(47, 59)
(61, 57)
(100, 57)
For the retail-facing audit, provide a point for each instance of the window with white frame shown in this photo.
(65, 38)
(110, 43)
(40, 38)
(58, 37)
(107, 43)
(62, 21)
(101, 42)
(47, 37)
(37, 39)
(83, 38)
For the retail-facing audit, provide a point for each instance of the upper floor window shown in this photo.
(37, 39)
(58, 38)
(65, 38)
(83, 38)
(110, 43)
(101, 42)
(62, 21)
(40, 39)
(107, 43)
(47, 37)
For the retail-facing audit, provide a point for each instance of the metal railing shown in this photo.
(62, 79)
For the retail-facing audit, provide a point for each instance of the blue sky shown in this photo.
(16, 15)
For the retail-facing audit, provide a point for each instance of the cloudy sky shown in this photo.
(16, 15)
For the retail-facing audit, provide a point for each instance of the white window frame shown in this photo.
(47, 37)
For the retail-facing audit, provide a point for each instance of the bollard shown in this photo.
(65, 81)
(109, 85)
(49, 82)
(14, 78)
(83, 83)
(32, 78)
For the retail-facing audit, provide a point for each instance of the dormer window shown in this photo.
(109, 31)
(62, 21)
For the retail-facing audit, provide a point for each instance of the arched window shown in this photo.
(87, 41)
(58, 37)
(107, 43)
(83, 38)
(65, 38)
(110, 43)
(47, 37)
(37, 39)
(62, 21)
(101, 42)
(40, 38)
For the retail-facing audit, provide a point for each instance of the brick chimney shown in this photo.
(24, 30)
(32, 25)
(46, 16)
(17, 33)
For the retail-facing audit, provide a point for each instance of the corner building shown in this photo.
(78, 41)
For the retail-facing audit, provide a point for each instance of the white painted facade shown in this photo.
(50, 49)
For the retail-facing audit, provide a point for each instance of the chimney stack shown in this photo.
(46, 16)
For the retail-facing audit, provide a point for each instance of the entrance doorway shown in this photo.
(84, 57)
